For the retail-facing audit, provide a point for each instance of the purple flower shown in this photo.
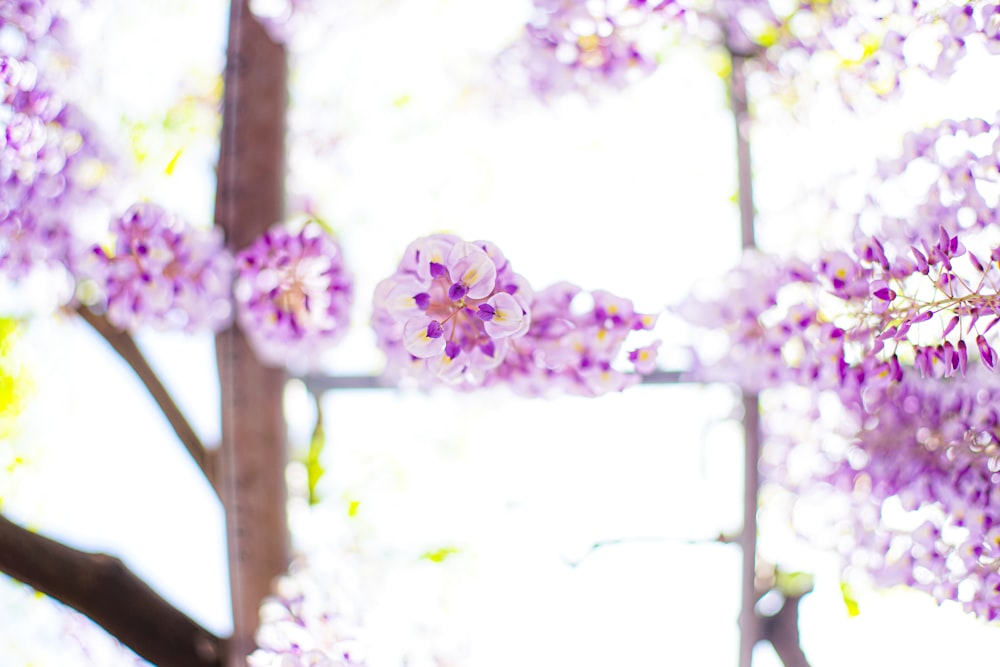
(293, 294)
(574, 343)
(309, 620)
(51, 166)
(447, 312)
(571, 45)
(48, 162)
(914, 473)
(455, 312)
(644, 358)
(162, 273)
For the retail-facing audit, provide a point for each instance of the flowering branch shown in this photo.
(103, 588)
(125, 346)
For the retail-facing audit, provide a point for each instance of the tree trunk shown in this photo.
(250, 198)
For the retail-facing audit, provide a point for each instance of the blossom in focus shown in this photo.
(451, 311)
(293, 294)
(162, 273)
(455, 312)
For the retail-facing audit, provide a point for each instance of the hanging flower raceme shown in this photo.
(162, 273)
(916, 482)
(455, 312)
(293, 294)
(919, 295)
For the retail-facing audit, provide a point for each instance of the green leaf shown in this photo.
(439, 555)
(172, 165)
(352, 508)
(314, 469)
(849, 600)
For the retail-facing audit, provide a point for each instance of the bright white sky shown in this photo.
(632, 196)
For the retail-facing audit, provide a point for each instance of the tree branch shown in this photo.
(782, 630)
(104, 589)
(125, 346)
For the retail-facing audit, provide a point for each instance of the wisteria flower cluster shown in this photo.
(921, 291)
(35, 20)
(307, 623)
(867, 35)
(953, 166)
(456, 312)
(451, 309)
(867, 46)
(163, 273)
(919, 476)
(590, 46)
(49, 160)
(573, 343)
(290, 290)
(293, 294)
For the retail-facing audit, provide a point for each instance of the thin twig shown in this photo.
(720, 539)
(125, 346)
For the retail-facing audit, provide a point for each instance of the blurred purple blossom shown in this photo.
(162, 273)
(575, 344)
(50, 163)
(909, 484)
(590, 46)
(309, 621)
(293, 294)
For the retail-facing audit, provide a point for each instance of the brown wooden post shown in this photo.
(250, 198)
(750, 623)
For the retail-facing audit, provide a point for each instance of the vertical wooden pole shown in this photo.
(750, 622)
(250, 198)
